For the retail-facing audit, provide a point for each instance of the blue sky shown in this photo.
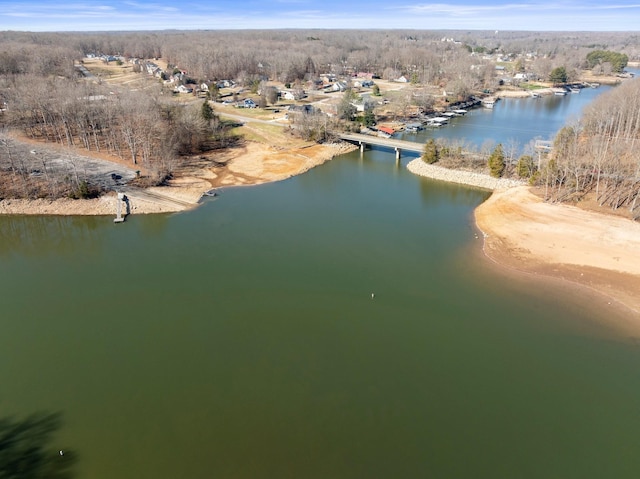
(96, 15)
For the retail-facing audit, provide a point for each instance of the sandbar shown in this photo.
(595, 250)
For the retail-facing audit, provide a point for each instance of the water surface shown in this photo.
(241, 340)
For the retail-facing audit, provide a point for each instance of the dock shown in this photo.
(121, 199)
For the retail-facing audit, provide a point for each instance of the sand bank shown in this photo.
(523, 233)
(251, 164)
(592, 249)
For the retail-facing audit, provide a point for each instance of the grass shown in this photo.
(531, 86)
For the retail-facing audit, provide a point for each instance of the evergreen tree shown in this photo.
(430, 154)
(369, 118)
(206, 111)
(496, 162)
(558, 75)
(346, 110)
(526, 167)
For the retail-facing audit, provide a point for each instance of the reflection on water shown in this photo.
(40, 236)
(27, 451)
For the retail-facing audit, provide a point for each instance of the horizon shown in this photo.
(162, 15)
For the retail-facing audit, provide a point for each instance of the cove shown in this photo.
(241, 340)
(514, 121)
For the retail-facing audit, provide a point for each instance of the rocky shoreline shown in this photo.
(469, 178)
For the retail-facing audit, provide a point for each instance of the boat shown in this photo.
(489, 102)
(535, 95)
(460, 112)
(560, 92)
(210, 193)
(437, 121)
(574, 90)
(413, 127)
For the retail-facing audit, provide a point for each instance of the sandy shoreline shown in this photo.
(525, 234)
(250, 164)
(590, 249)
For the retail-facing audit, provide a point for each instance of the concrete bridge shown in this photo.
(397, 145)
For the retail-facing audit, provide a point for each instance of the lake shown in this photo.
(514, 121)
(339, 324)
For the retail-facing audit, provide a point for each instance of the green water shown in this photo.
(240, 340)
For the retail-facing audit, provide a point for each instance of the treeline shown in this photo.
(599, 154)
(616, 60)
(428, 56)
(143, 127)
(45, 97)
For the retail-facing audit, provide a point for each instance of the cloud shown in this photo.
(225, 14)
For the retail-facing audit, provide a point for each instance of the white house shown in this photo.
(292, 94)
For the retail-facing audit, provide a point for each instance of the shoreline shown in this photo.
(468, 178)
(597, 252)
(252, 164)
(524, 235)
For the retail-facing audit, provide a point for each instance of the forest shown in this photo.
(45, 97)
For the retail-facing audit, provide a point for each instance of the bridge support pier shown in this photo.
(362, 146)
(398, 154)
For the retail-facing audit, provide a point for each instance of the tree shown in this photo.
(271, 94)
(346, 110)
(558, 75)
(376, 90)
(369, 118)
(496, 162)
(525, 166)
(618, 61)
(431, 154)
(206, 111)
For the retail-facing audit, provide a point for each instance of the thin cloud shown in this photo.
(136, 14)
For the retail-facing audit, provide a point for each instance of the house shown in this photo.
(292, 94)
(248, 103)
(337, 86)
(402, 79)
(362, 83)
(183, 89)
(363, 103)
(328, 77)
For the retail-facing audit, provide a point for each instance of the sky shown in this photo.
(534, 15)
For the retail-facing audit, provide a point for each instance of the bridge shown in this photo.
(397, 145)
